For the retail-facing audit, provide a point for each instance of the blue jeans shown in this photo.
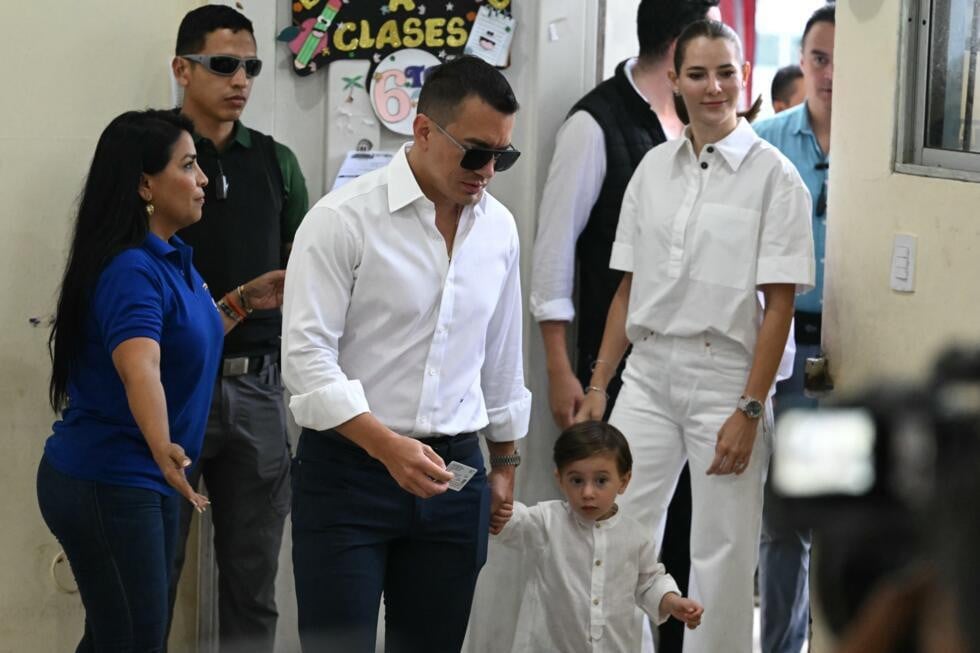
(120, 544)
(784, 553)
(357, 534)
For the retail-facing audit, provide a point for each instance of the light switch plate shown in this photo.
(903, 263)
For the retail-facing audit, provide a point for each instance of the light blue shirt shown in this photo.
(790, 132)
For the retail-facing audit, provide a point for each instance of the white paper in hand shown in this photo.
(461, 475)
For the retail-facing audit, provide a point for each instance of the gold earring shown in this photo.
(149, 209)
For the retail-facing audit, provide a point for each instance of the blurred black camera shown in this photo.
(887, 479)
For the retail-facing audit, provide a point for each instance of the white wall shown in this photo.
(871, 330)
(620, 41)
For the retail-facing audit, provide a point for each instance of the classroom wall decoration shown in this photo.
(401, 39)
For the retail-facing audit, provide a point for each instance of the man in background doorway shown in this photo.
(787, 88)
(254, 202)
(605, 136)
(803, 135)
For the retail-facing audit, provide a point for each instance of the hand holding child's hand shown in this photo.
(500, 518)
(685, 610)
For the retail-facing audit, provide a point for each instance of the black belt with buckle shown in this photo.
(239, 365)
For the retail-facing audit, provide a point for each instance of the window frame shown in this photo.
(911, 155)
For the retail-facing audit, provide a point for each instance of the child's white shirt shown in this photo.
(588, 582)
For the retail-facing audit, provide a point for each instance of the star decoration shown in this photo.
(421, 10)
(384, 10)
(376, 57)
(442, 54)
(449, 6)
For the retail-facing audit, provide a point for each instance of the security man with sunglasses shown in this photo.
(802, 134)
(254, 202)
(401, 341)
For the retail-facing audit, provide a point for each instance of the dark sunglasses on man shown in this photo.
(226, 65)
(475, 158)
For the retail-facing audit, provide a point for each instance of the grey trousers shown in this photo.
(245, 466)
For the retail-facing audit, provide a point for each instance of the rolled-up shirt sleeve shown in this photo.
(575, 178)
(622, 249)
(786, 252)
(319, 282)
(507, 399)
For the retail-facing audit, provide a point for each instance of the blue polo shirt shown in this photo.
(152, 291)
(790, 132)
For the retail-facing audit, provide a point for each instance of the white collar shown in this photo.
(733, 148)
(403, 187)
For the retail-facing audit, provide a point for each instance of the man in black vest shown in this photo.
(254, 201)
(603, 139)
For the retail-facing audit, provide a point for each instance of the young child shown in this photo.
(595, 567)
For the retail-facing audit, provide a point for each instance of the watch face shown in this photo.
(751, 407)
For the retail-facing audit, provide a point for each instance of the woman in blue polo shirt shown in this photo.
(135, 348)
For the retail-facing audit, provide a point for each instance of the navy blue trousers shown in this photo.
(358, 535)
(120, 543)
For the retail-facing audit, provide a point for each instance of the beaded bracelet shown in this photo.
(244, 300)
(223, 306)
(232, 301)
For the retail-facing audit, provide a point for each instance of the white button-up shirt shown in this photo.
(700, 233)
(377, 317)
(575, 178)
(589, 579)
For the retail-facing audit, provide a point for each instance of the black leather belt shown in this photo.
(449, 447)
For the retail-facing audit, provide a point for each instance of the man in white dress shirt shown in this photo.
(401, 340)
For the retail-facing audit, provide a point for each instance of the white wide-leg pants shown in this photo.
(677, 393)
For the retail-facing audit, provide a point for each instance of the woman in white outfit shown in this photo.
(709, 221)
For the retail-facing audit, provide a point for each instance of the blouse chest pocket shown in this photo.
(724, 246)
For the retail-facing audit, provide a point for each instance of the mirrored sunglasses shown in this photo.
(225, 64)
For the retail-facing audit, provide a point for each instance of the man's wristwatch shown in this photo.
(513, 459)
(751, 407)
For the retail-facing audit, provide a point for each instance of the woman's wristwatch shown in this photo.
(513, 459)
(751, 407)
